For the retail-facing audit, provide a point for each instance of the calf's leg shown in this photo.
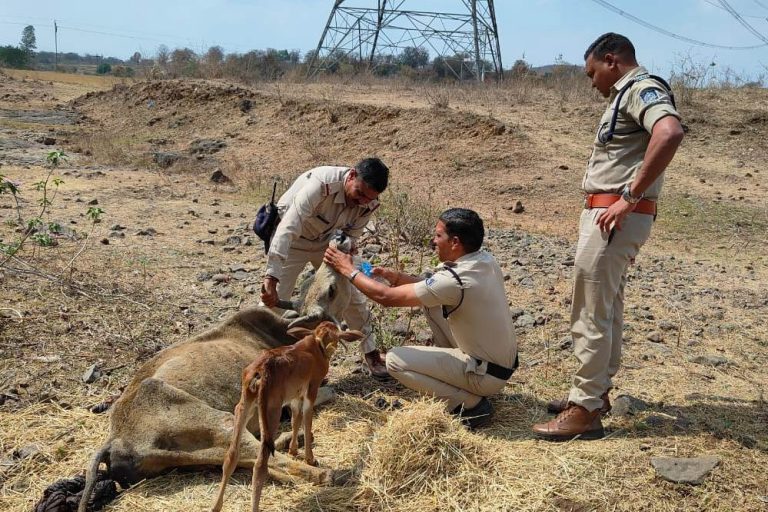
(243, 411)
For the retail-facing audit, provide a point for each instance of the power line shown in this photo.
(672, 34)
(713, 4)
(761, 4)
(741, 20)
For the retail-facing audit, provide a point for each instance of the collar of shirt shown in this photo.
(470, 256)
(624, 80)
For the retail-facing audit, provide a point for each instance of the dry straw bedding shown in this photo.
(416, 458)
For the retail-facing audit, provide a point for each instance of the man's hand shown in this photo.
(614, 215)
(339, 261)
(392, 276)
(269, 292)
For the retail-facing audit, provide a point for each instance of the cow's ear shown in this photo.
(351, 335)
(299, 332)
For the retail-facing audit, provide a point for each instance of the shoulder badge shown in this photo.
(429, 281)
(650, 95)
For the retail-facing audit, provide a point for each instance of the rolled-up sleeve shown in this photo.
(441, 289)
(648, 104)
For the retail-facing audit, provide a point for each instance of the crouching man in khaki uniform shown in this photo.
(638, 135)
(320, 202)
(475, 350)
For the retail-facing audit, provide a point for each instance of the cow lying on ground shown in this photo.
(281, 376)
(177, 410)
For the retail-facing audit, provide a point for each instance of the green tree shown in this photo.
(414, 57)
(28, 40)
(13, 57)
(103, 68)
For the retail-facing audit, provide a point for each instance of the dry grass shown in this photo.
(92, 82)
(141, 293)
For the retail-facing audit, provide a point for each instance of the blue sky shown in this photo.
(540, 30)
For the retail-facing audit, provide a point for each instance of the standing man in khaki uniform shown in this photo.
(475, 349)
(637, 138)
(320, 202)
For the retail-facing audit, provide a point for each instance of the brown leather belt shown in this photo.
(645, 206)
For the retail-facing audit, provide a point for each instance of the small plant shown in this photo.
(36, 229)
(94, 213)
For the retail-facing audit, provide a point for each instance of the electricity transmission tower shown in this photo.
(467, 41)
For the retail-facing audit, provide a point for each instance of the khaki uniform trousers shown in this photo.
(443, 371)
(597, 314)
(357, 316)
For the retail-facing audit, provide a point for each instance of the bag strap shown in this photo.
(606, 137)
(446, 312)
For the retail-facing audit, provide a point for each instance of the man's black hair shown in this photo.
(374, 173)
(610, 43)
(466, 225)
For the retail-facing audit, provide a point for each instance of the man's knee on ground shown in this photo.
(394, 361)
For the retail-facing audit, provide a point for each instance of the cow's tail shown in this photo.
(92, 473)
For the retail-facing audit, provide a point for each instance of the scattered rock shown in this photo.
(206, 146)
(164, 159)
(627, 405)
(655, 337)
(92, 374)
(525, 320)
(146, 232)
(26, 452)
(245, 105)
(684, 470)
(226, 293)
(664, 325)
(518, 208)
(92, 202)
(566, 343)
(218, 176)
(709, 360)
(240, 276)
(220, 278)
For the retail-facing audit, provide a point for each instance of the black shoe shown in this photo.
(477, 416)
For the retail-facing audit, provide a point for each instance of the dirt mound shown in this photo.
(271, 135)
(169, 93)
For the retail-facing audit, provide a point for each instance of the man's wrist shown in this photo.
(271, 278)
(352, 275)
(626, 194)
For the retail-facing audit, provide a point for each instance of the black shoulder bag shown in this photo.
(267, 219)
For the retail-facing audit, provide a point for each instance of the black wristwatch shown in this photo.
(626, 195)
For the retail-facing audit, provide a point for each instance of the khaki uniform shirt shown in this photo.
(482, 324)
(311, 210)
(615, 164)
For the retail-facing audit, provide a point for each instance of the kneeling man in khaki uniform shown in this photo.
(475, 349)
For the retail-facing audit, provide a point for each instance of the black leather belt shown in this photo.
(500, 372)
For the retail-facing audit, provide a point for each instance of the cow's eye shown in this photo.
(331, 291)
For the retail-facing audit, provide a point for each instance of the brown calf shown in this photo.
(281, 376)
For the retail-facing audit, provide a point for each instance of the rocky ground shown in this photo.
(179, 168)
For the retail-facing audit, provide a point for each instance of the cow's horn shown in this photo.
(308, 321)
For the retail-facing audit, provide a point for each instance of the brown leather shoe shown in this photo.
(376, 366)
(558, 406)
(574, 421)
